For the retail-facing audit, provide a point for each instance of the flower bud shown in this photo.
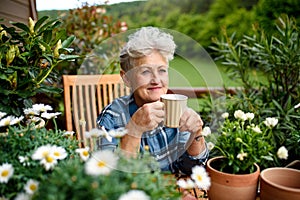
(10, 55)
(31, 24)
(58, 46)
(42, 47)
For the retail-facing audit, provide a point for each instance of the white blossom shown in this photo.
(23, 196)
(41, 107)
(24, 160)
(31, 186)
(134, 195)
(271, 122)
(6, 172)
(241, 156)
(83, 153)
(31, 111)
(225, 115)
(186, 184)
(238, 114)
(2, 114)
(206, 131)
(101, 163)
(10, 120)
(249, 116)
(50, 115)
(201, 178)
(210, 145)
(297, 106)
(59, 153)
(41, 152)
(256, 129)
(282, 153)
(48, 162)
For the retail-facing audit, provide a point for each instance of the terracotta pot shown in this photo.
(226, 186)
(280, 183)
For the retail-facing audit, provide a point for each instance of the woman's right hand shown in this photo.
(148, 117)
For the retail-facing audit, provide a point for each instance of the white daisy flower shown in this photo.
(282, 153)
(23, 196)
(206, 131)
(31, 111)
(249, 116)
(101, 163)
(238, 114)
(10, 120)
(241, 156)
(134, 195)
(118, 133)
(83, 153)
(41, 152)
(50, 115)
(59, 153)
(271, 122)
(186, 184)
(24, 160)
(40, 121)
(31, 186)
(41, 107)
(256, 129)
(6, 172)
(201, 178)
(68, 133)
(94, 133)
(2, 114)
(48, 162)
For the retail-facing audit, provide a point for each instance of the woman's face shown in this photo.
(149, 78)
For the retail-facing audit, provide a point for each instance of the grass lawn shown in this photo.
(200, 73)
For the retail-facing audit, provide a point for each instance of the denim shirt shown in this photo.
(167, 145)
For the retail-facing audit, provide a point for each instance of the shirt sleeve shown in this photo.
(185, 163)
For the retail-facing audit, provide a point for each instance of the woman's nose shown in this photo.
(155, 77)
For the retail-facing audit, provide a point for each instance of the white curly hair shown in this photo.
(143, 42)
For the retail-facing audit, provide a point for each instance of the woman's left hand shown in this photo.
(190, 121)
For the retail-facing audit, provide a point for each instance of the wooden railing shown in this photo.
(198, 92)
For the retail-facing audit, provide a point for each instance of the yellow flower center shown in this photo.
(49, 159)
(32, 187)
(4, 173)
(56, 153)
(199, 177)
(85, 153)
(101, 164)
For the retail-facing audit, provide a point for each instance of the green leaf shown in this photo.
(68, 57)
(47, 36)
(66, 43)
(40, 22)
(21, 26)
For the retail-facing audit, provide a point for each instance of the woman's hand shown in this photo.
(190, 121)
(148, 116)
(144, 119)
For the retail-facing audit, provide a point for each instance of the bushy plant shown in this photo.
(277, 57)
(20, 138)
(243, 143)
(92, 26)
(29, 55)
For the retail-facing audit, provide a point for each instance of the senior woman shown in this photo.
(144, 68)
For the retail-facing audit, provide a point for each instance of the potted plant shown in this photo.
(239, 149)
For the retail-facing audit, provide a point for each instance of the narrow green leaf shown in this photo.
(40, 22)
(21, 26)
(47, 36)
(66, 43)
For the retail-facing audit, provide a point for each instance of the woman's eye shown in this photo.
(145, 72)
(162, 70)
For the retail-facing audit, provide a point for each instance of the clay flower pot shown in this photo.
(280, 183)
(227, 186)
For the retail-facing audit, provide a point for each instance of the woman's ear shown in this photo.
(125, 78)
